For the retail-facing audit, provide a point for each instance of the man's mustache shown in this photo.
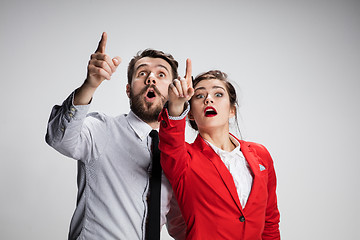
(156, 90)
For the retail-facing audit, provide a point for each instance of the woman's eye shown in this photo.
(218, 94)
(199, 96)
(161, 75)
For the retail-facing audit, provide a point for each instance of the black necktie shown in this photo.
(153, 220)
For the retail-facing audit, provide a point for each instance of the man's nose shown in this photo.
(151, 79)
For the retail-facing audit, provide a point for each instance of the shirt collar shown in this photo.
(141, 128)
(221, 152)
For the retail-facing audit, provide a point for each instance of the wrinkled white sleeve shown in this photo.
(68, 133)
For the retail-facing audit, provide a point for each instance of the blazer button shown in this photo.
(242, 219)
(163, 124)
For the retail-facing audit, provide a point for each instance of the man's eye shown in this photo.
(218, 94)
(142, 74)
(161, 75)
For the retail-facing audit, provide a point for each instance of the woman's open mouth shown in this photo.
(210, 112)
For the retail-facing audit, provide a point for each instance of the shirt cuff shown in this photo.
(184, 113)
(75, 111)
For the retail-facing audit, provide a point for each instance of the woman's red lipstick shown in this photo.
(210, 112)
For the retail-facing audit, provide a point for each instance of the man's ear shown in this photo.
(128, 89)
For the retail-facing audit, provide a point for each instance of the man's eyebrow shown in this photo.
(145, 65)
(140, 66)
(162, 66)
(214, 87)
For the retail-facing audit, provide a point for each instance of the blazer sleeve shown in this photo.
(175, 223)
(272, 217)
(174, 155)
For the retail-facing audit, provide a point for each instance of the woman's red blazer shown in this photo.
(206, 192)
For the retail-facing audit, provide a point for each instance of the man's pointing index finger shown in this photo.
(102, 43)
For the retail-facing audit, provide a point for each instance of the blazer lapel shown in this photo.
(221, 169)
(253, 162)
(250, 156)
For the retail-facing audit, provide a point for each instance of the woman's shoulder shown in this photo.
(258, 148)
(255, 145)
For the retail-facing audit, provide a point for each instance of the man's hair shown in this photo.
(153, 54)
(216, 74)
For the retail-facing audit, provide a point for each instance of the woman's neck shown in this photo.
(218, 137)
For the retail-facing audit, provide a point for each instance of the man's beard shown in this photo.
(143, 109)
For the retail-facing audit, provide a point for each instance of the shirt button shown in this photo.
(242, 219)
(163, 124)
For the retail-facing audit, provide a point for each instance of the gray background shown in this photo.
(296, 64)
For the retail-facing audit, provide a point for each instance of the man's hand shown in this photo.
(180, 91)
(100, 67)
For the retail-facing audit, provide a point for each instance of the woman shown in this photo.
(226, 187)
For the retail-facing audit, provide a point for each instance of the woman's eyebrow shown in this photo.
(199, 88)
(214, 87)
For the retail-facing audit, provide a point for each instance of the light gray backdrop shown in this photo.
(296, 64)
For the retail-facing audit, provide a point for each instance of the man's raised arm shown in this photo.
(100, 67)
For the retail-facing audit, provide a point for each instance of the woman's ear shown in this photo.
(232, 111)
(190, 116)
(128, 89)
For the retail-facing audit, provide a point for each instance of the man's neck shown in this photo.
(154, 125)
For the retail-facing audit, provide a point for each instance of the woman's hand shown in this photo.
(180, 91)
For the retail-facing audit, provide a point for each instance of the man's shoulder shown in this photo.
(102, 118)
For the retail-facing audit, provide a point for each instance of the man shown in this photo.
(114, 153)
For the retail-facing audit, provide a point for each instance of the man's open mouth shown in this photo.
(151, 94)
(210, 112)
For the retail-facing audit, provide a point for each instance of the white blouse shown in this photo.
(238, 168)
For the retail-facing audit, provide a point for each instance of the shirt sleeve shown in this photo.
(67, 132)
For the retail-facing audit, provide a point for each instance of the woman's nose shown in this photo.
(151, 79)
(208, 99)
